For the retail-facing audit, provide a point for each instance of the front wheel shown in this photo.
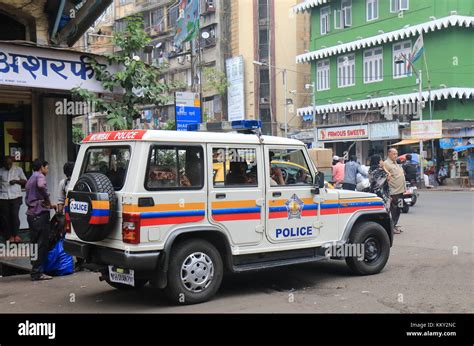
(195, 272)
(374, 243)
(414, 199)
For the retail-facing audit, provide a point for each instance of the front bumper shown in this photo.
(141, 261)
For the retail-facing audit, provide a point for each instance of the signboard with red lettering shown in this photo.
(126, 135)
(343, 133)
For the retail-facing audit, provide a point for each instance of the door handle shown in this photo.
(220, 196)
(276, 194)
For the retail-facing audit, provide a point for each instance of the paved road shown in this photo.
(424, 274)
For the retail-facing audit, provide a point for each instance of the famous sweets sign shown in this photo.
(33, 67)
(343, 133)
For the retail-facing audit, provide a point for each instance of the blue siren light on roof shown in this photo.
(227, 126)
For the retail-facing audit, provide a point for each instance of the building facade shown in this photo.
(266, 33)
(365, 88)
(38, 69)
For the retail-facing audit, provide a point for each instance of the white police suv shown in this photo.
(177, 209)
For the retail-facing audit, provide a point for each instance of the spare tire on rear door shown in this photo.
(92, 207)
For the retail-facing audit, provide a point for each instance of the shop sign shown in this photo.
(34, 67)
(235, 90)
(343, 133)
(426, 129)
(449, 143)
(188, 109)
(383, 131)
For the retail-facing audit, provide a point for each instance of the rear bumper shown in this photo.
(142, 261)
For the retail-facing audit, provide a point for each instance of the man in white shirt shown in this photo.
(12, 179)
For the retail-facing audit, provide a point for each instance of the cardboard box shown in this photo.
(321, 157)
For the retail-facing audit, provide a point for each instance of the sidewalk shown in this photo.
(448, 188)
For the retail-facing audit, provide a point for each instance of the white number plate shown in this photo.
(122, 276)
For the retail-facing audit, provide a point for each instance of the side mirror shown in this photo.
(319, 183)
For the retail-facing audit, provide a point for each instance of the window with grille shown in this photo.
(373, 65)
(346, 71)
(401, 54)
(322, 72)
(372, 7)
(325, 21)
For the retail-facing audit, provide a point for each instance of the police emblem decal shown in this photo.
(294, 206)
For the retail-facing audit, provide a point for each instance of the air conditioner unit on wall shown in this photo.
(181, 59)
(188, 57)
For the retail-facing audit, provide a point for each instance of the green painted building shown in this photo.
(359, 55)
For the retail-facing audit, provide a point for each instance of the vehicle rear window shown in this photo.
(175, 168)
(111, 160)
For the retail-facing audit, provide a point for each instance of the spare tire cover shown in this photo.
(92, 207)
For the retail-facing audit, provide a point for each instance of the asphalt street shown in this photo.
(430, 270)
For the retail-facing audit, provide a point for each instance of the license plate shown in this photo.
(408, 200)
(122, 276)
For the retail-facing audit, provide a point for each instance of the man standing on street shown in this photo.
(12, 179)
(351, 169)
(338, 170)
(396, 182)
(39, 205)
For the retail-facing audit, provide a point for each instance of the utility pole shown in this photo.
(420, 113)
(285, 82)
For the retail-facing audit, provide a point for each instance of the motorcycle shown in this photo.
(410, 197)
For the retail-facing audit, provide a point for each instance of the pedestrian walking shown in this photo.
(38, 213)
(338, 170)
(396, 181)
(378, 179)
(12, 179)
(351, 169)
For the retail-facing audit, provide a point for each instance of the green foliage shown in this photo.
(134, 85)
(215, 80)
(169, 125)
(77, 134)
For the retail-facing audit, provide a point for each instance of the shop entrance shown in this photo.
(15, 133)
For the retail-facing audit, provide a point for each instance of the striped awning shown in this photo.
(378, 102)
(436, 24)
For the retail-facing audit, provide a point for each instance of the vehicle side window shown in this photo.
(175, 168)
(234, 167)
(289, 167)
(111, 161)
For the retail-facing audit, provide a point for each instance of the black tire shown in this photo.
(93, 184)
(176, 290)
(413, 200)
(405, 208)
(139, 284)
(369, 233)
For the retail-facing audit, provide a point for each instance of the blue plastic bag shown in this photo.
(59, 262)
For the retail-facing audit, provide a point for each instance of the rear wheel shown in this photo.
(195, 272)
(405, 208)
(375, 244)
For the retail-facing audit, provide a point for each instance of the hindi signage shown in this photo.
(188, 109)
(235, 90)
(34, 67)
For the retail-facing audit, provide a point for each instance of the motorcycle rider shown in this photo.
(410, 169)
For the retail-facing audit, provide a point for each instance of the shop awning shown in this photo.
(385, 101)
(408, 142)
(400, 34)
(463, 147)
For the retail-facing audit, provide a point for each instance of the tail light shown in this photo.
(67, 223)
(131, 228)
